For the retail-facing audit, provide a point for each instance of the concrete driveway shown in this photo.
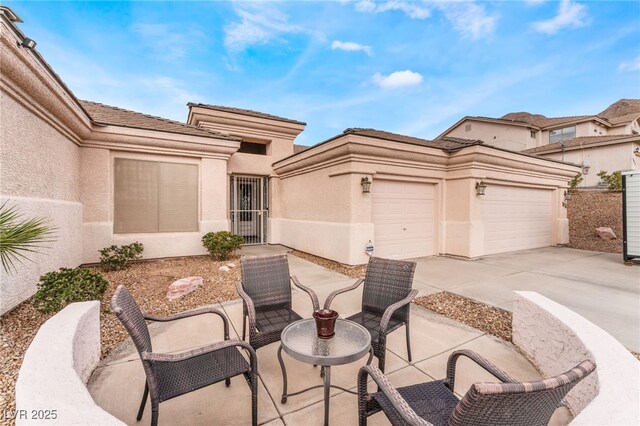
(596, 285)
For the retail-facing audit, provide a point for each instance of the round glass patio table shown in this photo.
(301, 342)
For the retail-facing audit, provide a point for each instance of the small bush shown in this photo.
(575, 181)
(221, 244)
(59, 288)
(118, 257)
(613, 180)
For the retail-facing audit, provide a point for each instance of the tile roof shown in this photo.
(581, 141)
(110, 115)
(446, 143)
(541, 121)
(245, 112)
(299, 148)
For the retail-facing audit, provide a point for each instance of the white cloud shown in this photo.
(469, 19)
(171, 43)
(411, 9)
(397, 79)
(350, 46)
(260, 23)
(633, 65)
(570, 15)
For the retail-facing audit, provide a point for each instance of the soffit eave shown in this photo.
(116, 137)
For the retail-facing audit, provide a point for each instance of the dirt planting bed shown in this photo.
(588, 210)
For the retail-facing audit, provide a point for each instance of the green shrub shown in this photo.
(59, 288)
(575, 181)
(117, 257)
(613, 180)
(221, 244)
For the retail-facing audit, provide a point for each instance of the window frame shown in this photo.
(162, 222)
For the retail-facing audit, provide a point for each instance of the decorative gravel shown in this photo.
(588, 210)
(483, 317)
(147, 281)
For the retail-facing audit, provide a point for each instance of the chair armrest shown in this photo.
(191, 313)
(392, 308)
(311, 293)
(385, 386)
(481, 361)
(182, 356)
(251, 310)
(330, 297)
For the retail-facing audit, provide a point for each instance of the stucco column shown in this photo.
(464, 228)
(562, 222)
(214, 197)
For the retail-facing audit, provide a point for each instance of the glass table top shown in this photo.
(350, 342)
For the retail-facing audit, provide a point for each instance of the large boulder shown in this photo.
(605, 233)
(183, 286)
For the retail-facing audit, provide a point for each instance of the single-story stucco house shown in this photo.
(104, 175)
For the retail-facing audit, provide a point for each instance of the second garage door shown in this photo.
(403, 218)
(516, 219)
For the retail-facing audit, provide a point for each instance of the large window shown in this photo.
(559, 135)
(151, 196)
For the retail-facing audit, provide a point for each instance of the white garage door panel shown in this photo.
(403, 219)
(516, 219)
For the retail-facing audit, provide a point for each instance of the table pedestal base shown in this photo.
(325, 373)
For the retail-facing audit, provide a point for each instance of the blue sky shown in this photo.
(411, 67)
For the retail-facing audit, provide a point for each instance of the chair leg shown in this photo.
(254, 401)
(406, 326)
(244, 326)
(227, 382)
(381, 360)
(154, 414)
(143, 402)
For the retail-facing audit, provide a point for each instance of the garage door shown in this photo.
(403, 219)
(516, 219)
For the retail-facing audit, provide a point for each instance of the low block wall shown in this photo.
(51, 382)
(556, 339)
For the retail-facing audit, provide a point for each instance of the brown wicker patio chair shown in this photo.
(265, 290)
(172, 375)
(509, 403)
(386, 300)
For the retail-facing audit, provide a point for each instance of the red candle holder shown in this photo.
(325, 322)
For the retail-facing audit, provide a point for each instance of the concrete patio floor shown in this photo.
(118, 382)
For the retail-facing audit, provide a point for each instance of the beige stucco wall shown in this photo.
(98, 183)
(278, 135)
(515, 138)
(327, 214)
(39, 163)
(609, 158)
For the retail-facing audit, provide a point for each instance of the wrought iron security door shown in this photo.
(249, 208)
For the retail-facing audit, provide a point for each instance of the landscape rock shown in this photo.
(231, 265)
(224, 268)
(605, 233)
(183, 286)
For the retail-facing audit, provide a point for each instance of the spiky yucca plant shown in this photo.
(19, 236)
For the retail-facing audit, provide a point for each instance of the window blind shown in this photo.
(155, 197)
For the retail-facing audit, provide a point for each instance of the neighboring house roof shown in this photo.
(543, 122)
(245, 112)
(582, 142)
(110, 115)
(446, 143)
(620, 112)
